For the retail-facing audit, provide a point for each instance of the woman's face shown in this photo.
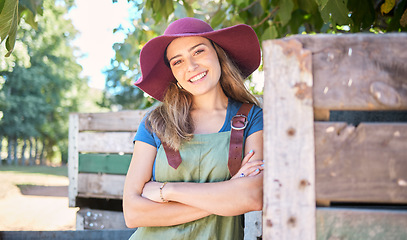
(195, 64)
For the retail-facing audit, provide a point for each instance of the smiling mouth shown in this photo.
(198, 77)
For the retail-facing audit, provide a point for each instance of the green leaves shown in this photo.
(10, 13)
(284, 12)
(188, 8)
(387, 6)
(29, 9)
(334, 11)
(270, 33)
(8, 23)
(363, 14)
(218, 18)
(160, 8)
(403, 19)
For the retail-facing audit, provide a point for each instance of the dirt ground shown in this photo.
(34, 202)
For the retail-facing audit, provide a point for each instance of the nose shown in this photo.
(192, 65)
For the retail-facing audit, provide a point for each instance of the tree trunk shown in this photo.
(23, 152)
(36, 151)
(42, 153)
(1, 148)
(31, 157)
(9, 153)
(15, 144)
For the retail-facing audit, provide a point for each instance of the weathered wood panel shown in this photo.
(67, 235)
(289, 184)
(358, 71)
(100, 185)
(111, 121)
(253, 225)
(73, 159)
(367, 163)
(106, 142)
(355, 224)
(94, 219)
(104, 163)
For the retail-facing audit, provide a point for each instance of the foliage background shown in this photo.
(40, 85)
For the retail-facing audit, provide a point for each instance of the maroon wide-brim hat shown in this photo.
(240, 42)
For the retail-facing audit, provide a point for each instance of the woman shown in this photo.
(187, 179)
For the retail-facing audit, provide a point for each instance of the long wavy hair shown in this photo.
(172, 122)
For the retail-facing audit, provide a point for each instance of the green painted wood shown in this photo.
(355, 224)
(104, 163)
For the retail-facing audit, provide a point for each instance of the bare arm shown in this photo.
(228, 198)
(140, 211)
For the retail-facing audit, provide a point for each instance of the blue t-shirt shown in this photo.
(255, 124)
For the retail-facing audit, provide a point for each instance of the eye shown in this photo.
(198, 51)
(174, 63)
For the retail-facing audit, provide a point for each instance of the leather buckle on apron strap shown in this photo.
(238, 122)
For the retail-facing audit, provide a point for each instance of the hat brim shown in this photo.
(239, 42)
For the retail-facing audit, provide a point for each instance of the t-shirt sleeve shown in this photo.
(255, 121)
(144, 135)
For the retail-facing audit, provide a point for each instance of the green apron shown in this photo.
(204, 159)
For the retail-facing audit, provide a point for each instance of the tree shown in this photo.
(269, 18)
(40, 83)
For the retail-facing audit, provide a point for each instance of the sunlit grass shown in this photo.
(43, 170)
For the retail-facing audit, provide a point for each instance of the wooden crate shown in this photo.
(357, 174)
(100, 147)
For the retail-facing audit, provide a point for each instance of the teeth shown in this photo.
(197, 77)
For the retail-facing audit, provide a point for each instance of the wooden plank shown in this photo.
(358, 71)
(80, 222)
(104, 163)
(106, 142)
(73, 159)
(101, 185)
(367, 163)
(111, 121)
(347, 224)
(94, 219)
(67, 235)
(253, 225)
(289, 189)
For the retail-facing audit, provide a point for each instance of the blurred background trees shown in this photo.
(40, 84)
(40, 81)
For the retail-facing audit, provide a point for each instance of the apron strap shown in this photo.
(173, 156)
(238, 124)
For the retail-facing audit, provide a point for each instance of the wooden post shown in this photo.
(73, 158)
(289, 178)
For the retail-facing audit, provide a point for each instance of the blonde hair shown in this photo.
(171, 121)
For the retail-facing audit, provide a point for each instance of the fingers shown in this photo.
(251, 168)
(246, 158)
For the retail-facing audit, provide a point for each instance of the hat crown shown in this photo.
(187, 25)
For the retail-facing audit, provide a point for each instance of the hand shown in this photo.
(151, 191)
(249, 167)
